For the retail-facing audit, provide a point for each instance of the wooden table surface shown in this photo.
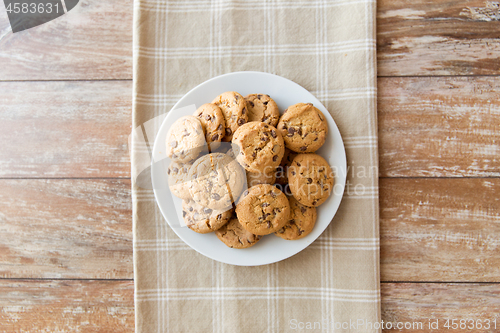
(65, 198)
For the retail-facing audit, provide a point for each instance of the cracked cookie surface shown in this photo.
(259, 147)
(213, 123)
(263, 209)
(301, 222)
(235, 236)
(203, 219)
(262, 108)
(215, 181)
(303, 127)
(185, 139)
(310, 179)
(234, 109)
(178, 179)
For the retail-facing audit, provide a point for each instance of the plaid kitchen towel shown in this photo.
(328, 47)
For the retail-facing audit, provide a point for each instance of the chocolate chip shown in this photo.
(283, 126)
(263, 139)
(241, 121)
(254, 154)
(173, 144)
(310, 104)
(303, 210)
(251, 103)
(314, 203)
(315, 139)
(265, 204)
(268, 224)
(266, 133)
(184, 213)
(309, 180)
(215, 196)
(208, 117)
(168, 172)
(207, 210)
(300, 131)
(259, 96)
(293, 173)
(190, 209)
(219, 216)
(265, 118)
(228, 131)
(273, 134)
(244, 111)
(291, 130)
(236, 98)
(275, 158)
(215, 137)
(274, 195)
(219, 128)
(175, 170)
(265, 103)
(303, 148)
(291, 221)
(298, 164)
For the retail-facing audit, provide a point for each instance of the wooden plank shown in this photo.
(431, 302)
(108, 306)
(438, 37)
(92, 41)
(430, 127)
(439, 127)
(65, 129)
(72, 228)
(440, 229)
(431, 229)
(66, 306)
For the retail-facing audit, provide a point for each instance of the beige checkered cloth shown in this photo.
(328, 47)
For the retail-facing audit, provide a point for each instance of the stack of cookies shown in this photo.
(244, 171)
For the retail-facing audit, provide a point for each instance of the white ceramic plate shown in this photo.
(270, 248)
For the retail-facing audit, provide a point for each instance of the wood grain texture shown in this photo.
(440, 229)
(437, 37)
(66, 306)
(92, 41)
(424, 302)
(65, 129)
(439, 127)
(73, 228)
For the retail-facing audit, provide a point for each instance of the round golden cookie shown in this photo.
(301, 223)
(215, 181)
(281, 177)
(234, 109)
(310, 179)
(262, 108)
(235, 236)
(214, 125)
(303, 127)
(263, 209)
(185, 139)
(178, 179)
(259, 146)
(203, 219)
(264, 177)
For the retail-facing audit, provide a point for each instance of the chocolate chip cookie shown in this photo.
(262, 108)
(234, 109)
(263, 209)
(185, 139)
(215, 181)
(203, 219)
(303, 127)
(213, 123)
(235, 236)
(310, 179)
(259, 146)
(178, 179)
(301, 223)
(264, 177)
